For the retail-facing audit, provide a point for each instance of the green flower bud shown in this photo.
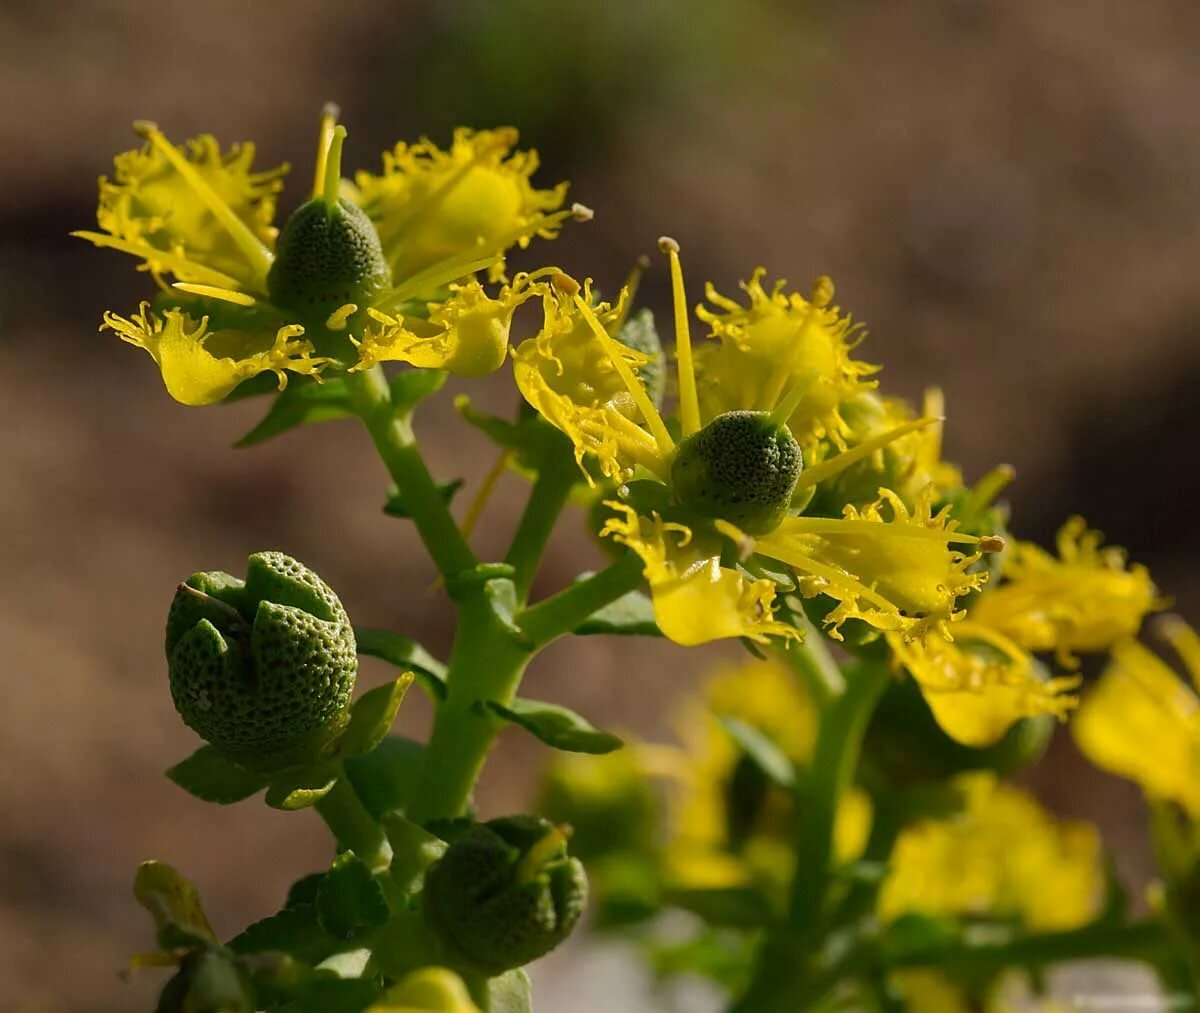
(328, 255)
(207, 982)
(262, 668)
(742, 467)
(504, 893)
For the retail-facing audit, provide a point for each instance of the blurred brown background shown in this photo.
(1006, 191)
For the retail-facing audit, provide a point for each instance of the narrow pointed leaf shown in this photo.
(350, 899)
(404, 652)
(767, 756)
(174, 904)
(299, 405)
(631, 615)
(556, 726)
(372, 715)
(210, 776)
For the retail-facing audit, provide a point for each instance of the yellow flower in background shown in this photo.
(896, 569)
(238, 297)
(1142, 722)
(718, 836)
(429, 204)
(928, 991)
(1002, 856)
(1086, 599)
(780, 339)
(429, 990)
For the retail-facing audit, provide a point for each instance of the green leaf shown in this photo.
(294, 930)
(510, 993)
(631, 615)
(174, 904)
(299, 405)
(304, 890)
(403, 652)
(411, 386)
(396, 507)
(372, 715)
(767, 756)
(556, 726)
(733, 907)
(209, 776)
(350, 899)
(383, 777)
(414, 849)
(293, 791)
(502, 594)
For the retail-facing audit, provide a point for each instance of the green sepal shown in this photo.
(294, 930)
(410, 387)
(556, 726)
(371, 716)
(298, 405)
(396, 507)
(383, 777)
(300, 789)
(767, 756)
(502, 595)
(510, 993)
(631, 615)
(740, 907)
(174, 904)
(350, 899)
(334, 995)
(212, 777)
(404, 652)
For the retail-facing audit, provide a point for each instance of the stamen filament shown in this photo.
(800, 561)
(989, 487)
(217, 292)
(432, 278)
(791, 401)
(837, 525)
(1184, 642)
(689, 404)
(174, 262)
(482, 497)
(632, 283)
(329, 118)
(333, 167)
(826, 469)
(257, 255)
(658, 428)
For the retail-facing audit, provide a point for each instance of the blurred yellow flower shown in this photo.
(429, 990)
(1086, 599)
(1001, 856)
(1142, 721)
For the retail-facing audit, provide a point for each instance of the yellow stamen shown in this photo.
(433, 278)
(826, 469)
(329, 118)
(989, 487)
(838, 577)
(791, 401)
(256, 254)
(836, 525)
(174, 262)
(658, 428)
(1184, 641)
(822, 296)
(933, 405)
(632, 283)
(217, 292)
(535, 858)
(333, 167)
(480, 502)
(689, 403)
(338, 319)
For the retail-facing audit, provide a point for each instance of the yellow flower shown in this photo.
(1142, 721)
(241, 296)
(981, 683)
(429, 990)
(891, 567)
(778, 340)
(930, 991)
(466, 335)
(1085, 600)
(430, 204)
(1001, 856)
(708, 844)
(696, 599)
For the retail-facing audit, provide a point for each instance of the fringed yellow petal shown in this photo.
(893, 568)
(568, 376)
(430, 204)
(1087, 599)
(778, 341)
(696, 600)
(187, 353)
(1002, 856)
(1142, 722)
(149, 203)
(466, 335)
(980, 684)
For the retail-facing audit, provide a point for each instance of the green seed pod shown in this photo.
(262, 668)
(207, 982)
(328, 255)
(742, 467)
(504, 893)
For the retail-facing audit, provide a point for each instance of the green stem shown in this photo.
(546, 501)
(785, 960)
(562, 612)
(393, 436)
(486, 664)
(813, 662)
(352, 825)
